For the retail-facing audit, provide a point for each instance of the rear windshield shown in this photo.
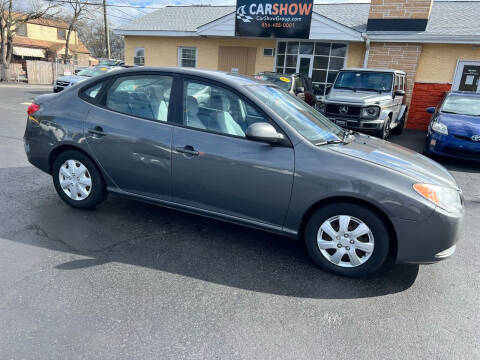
(462, 105)
(364, 80)
(285, 82)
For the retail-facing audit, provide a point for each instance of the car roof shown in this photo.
(275, 74)
(375, 70)
(467, 93)
(231, 79)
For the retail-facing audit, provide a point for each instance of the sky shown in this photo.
(129, 10)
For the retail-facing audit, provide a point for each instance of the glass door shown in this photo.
(304, 65)
(467, 76)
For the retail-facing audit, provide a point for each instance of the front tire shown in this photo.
(384, 132)
(77, 180)
(347, 239)
(398, 130)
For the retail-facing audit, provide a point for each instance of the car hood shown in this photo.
(73, 78)
(358, 97)
(398, 158)
(463, 125)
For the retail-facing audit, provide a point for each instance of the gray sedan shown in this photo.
(248, 153)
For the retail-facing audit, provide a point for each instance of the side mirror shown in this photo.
(329, 87)
(265, 132)
(431, 110)
(300, 90)
(400, 93)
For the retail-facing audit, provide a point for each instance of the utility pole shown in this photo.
(107, 33)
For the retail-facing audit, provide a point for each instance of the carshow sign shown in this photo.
(274, 19)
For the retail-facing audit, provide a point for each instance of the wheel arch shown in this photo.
(65, 147)
(324, 202)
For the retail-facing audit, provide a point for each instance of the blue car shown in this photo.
(454, 129)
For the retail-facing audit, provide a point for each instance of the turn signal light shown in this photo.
(427, 192)
(33, 108)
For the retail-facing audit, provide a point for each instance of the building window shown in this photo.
(187, 57)
(22, 30)
(328, 58)
(61, 34)
(268, 52)
(139, 57)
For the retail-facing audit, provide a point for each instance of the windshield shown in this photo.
(364, 80)
(308, 122)
(91, 72)
(463, 105)
(282, 81)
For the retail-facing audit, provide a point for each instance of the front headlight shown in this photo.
(370, 112)
(440, 128)
(446, 198)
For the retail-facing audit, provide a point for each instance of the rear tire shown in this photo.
(358, 255)
(77, 180)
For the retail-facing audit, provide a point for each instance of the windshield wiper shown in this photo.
(369, 89)
(345, 87)
(328, 142)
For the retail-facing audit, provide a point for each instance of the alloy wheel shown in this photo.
(345, 241)
(75, 180)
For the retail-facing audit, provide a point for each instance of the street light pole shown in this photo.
(107, 33)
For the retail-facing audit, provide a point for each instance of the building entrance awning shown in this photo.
(30, 52)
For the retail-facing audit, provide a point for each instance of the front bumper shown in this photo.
(451, 146)
(357, 124)
(428, 241)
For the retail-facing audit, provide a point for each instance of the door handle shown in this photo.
(97, 130)
(187, 150)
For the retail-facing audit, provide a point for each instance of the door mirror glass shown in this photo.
(400, 93)
(265, 132)
(431, 110)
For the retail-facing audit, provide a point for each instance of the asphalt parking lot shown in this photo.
(134, 281)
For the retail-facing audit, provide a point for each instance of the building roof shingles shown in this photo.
(447, 18)
(48, 45)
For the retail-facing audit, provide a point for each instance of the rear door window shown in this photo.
(144, 96)
(90, 94)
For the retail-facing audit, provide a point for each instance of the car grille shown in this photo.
(334, 109)
(62, 83)
(465, 138)
(459, 152)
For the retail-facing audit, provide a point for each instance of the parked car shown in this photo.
(454, 130)
(78, 69)
(368, 100)
(252, 154)
(69, 80)
(296, 84)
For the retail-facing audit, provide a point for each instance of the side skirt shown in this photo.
(207, 213)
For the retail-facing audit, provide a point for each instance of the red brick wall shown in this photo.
(424, 95)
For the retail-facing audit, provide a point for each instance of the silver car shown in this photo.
(69, 80)
(249, 153)
(368, 100)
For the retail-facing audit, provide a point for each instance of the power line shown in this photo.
(124, 13)
(142, 12)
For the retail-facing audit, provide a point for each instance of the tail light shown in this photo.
(33, 108)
